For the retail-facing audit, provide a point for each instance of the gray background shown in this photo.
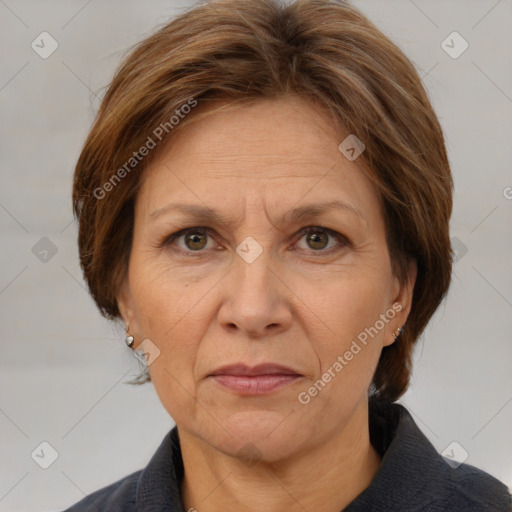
(62, 367)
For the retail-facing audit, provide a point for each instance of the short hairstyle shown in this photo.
(321, 50)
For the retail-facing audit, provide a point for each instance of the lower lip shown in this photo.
(255, 384)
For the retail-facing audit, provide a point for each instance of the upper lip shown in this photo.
(261, 369)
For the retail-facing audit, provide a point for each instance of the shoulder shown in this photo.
(414, 477)
(156, 487)
(447, 484)
(117, 497)
(470, 489)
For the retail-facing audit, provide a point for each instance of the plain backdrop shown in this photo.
(63, 368)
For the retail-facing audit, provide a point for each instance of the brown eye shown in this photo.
(195, 240)
(317, 239)
(321, 240)
(189, 240)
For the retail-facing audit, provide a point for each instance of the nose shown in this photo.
(255, 299)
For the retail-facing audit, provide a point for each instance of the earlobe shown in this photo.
(397, 333)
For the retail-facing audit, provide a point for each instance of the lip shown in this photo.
(242, 369)
(255, 380)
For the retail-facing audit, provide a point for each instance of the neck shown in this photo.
(324, 477)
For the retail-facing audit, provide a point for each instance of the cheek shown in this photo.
(170, 313)
(164, 296)
(173, 319)
(353, 311)
(352, 299)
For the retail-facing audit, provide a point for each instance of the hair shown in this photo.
(238, 52)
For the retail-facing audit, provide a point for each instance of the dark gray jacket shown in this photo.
(412, 477)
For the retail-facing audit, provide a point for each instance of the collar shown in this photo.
(159, 484)
(412, 475)
(411, 469)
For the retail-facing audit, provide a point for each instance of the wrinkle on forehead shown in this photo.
(289, 158)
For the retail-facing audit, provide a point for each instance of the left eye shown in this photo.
(317, 238)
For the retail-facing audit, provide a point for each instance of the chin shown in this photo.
(256, 436)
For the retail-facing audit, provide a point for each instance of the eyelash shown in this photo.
(167, 241)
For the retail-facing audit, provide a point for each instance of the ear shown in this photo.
(125, 304)
(402, 300)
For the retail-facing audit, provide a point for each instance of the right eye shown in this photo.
(192, 240)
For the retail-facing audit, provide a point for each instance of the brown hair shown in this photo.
(322, 50)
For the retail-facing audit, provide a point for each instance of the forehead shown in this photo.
(275, 131)
(274, 151)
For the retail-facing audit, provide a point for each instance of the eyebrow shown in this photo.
(206, 213)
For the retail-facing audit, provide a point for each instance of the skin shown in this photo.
(300, 303)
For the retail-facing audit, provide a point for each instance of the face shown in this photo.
(260, 271)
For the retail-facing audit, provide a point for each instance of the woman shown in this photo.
(264, 200)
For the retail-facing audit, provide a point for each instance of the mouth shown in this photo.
(255, 380)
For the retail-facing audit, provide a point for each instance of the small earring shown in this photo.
(129, 339)
(399, 331)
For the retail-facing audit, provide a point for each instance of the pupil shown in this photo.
(195, 238)
(315, 238)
